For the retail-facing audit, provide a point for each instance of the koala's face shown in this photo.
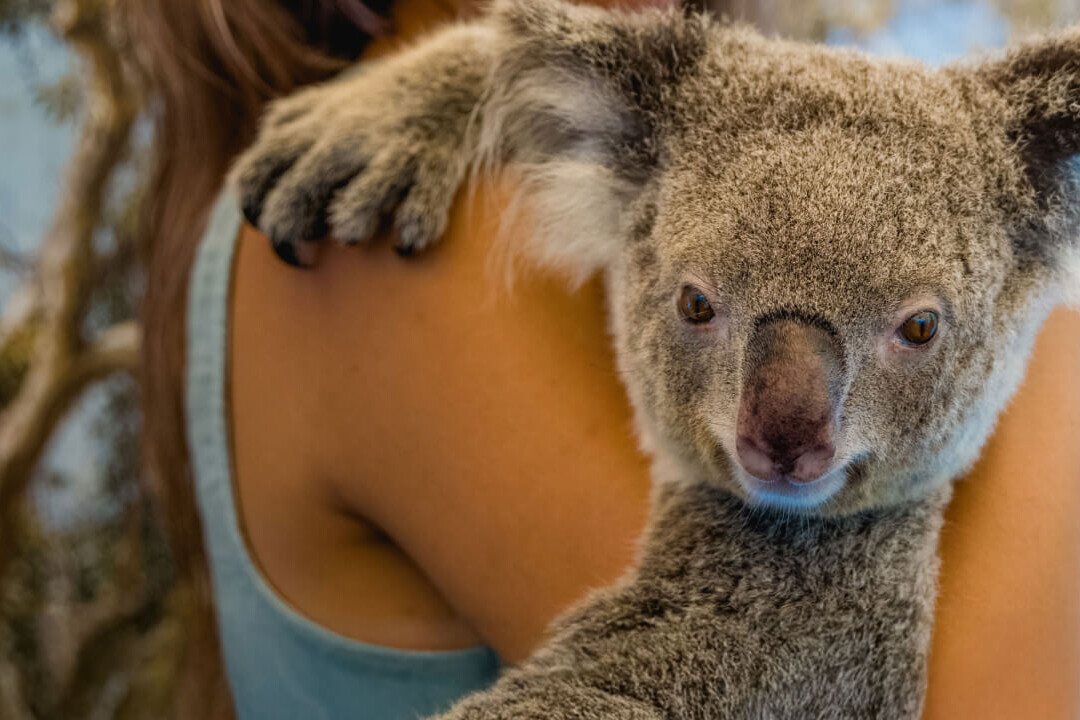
(827, 313)
(826, 271)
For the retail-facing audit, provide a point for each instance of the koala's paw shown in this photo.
(341, 157)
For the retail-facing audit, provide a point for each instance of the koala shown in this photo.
(825, 273)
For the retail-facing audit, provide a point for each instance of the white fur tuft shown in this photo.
(1072, 278)
(572, 213)
(546, 128)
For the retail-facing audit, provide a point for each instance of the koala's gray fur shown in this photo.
(792, 184)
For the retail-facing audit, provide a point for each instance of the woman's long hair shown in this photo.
(210, 66)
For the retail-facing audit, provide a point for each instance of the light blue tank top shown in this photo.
(280, 664)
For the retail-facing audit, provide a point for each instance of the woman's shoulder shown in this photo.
(483, 430)
(1007, 628)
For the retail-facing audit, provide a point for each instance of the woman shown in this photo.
(412, 468)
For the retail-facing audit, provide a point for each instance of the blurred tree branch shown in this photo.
(90, 628)
(59, 362)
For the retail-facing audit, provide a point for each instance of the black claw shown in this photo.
(404, 250)
(287, 253)
(252, 211)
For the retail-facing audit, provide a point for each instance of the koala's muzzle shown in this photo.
(794, 374)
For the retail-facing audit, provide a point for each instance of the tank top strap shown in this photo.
(281, 664)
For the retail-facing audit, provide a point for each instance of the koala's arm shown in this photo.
(392, 134)
(575, 96)
(736, 617)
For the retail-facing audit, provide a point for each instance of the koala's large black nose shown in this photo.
(803, 464)
(794, 370)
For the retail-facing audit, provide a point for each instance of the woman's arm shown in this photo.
(502, 456)
(485, 434)
(484, 430)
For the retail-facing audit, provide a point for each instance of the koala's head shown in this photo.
(826, 271)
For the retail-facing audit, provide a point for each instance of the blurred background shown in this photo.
(91, 617)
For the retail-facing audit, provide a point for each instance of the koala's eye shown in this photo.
(694, 306)
(920, 328)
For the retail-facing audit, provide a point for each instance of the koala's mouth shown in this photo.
(786, 492)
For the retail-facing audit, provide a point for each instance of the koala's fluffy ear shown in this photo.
(578, 105)
(1040, 83)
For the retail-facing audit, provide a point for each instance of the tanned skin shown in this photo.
(528, 490)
